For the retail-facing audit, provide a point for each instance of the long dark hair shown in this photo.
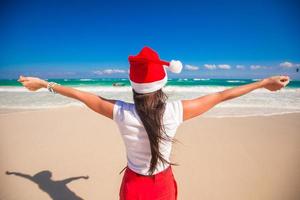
(150, 108)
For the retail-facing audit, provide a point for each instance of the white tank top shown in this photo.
(136, 139)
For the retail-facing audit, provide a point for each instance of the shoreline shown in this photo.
(7, 111)
(258, 103)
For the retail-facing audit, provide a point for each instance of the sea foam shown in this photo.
(259, 102)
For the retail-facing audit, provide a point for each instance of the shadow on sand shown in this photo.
(57, 190)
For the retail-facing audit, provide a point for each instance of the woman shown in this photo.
(149, 125)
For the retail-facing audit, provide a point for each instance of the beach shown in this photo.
(228, 158)
(54, 147)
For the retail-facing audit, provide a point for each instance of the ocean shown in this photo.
(13, 96)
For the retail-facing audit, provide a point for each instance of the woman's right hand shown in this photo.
(275, 83)
(32, 83)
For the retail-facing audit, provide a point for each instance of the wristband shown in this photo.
(50, 86)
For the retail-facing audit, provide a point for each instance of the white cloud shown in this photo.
(209, 66)
(224, 66)
(287, 64)
(213, 66)
(240, 66)
(110, 71)
(113, 71)
(255, 67)
(191, 67)
(98, 72)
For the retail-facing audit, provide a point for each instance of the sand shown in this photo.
(245, 158)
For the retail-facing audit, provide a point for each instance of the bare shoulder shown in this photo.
(107, 107)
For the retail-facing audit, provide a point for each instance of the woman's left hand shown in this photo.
(275, 83)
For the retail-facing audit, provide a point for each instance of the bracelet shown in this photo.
(50, 86)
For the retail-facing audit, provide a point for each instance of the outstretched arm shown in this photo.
(20, 174)
(68, 180)
(197, 106)
(96, 103)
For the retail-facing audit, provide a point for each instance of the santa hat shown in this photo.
(147, 72)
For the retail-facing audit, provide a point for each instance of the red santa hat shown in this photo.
(147, 72)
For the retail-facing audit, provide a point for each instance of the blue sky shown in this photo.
(214, 39)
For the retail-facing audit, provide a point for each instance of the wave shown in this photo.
(201, 79)
(114, 89)
(235, 81)
(13, 89)
(259, 102)
(168, 88)
(86, 79)
(218, 112)
(182, 79)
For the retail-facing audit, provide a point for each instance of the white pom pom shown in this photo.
(175, 66)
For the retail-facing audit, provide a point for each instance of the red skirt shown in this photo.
(161, 186)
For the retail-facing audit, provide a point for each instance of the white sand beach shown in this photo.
(234, 158)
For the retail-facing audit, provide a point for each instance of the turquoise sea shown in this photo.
(260, 102)
(171, 82)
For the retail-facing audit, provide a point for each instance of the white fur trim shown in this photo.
(149, 87)
(175, 66)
